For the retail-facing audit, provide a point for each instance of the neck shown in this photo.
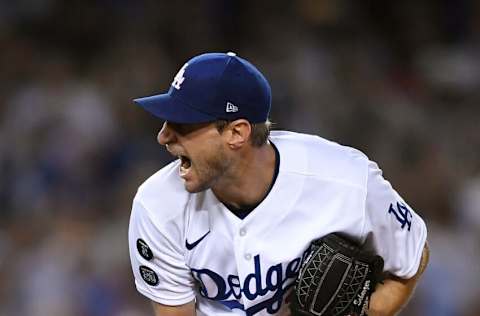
(249, 179)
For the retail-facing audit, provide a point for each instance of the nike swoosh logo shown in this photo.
(194, 244)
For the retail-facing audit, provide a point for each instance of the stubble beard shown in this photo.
(210, 171)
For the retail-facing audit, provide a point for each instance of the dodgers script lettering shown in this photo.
(272, 284)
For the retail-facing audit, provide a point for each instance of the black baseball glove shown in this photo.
(336, 279)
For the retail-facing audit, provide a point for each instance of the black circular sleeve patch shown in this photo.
(143, 249)
(148, 275)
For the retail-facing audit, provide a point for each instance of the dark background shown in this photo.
(397, 79)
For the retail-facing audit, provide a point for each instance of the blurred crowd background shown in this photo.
(399, 80)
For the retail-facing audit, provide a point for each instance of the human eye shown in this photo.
(186, 129)
(182, 129)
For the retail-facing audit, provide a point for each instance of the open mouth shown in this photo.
(185, 164)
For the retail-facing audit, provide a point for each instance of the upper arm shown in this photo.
(392, 228)
(157, 258)
(423, 261)
(181, 310)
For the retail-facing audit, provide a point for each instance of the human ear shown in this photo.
(239, 133)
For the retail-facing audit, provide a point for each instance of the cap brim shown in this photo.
(172, 109)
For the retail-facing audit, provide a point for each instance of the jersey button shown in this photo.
(243, 232)
(248, 256)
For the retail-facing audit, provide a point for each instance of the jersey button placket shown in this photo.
(242, 233)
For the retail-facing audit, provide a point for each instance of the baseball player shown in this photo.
(224, 228)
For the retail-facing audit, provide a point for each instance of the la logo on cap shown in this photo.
(231, 108)
(179, 78)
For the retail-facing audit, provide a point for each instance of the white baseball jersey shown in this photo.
(187, 246)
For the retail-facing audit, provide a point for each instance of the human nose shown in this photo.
(166, 135)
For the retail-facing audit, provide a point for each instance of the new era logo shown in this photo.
(231, 108)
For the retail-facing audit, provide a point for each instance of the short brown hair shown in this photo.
(260, 131)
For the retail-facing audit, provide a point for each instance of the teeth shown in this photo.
(185, 164)
(183, 171)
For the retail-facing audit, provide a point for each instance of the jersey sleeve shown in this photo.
(392, 228)
(157, 258)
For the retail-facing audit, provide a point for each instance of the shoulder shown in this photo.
(314, 156)
(162, 196)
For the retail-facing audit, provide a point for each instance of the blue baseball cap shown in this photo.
(213, 86)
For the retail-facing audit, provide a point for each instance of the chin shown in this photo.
(195, 187)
